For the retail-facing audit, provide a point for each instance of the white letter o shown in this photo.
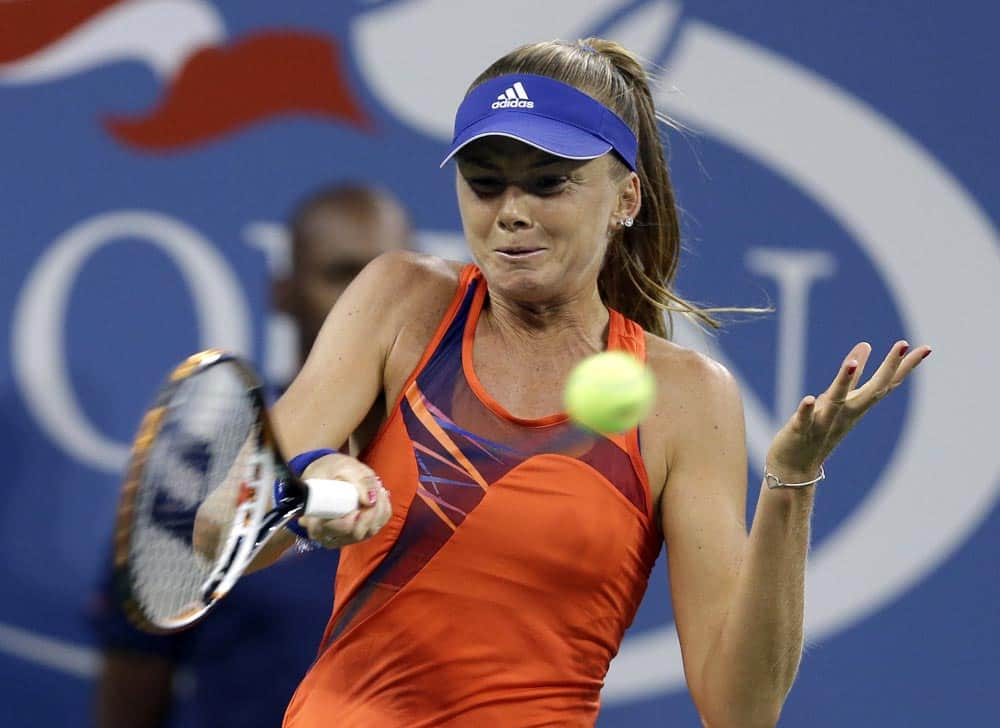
(37, 342)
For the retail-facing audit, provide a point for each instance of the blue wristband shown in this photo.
(297, 465)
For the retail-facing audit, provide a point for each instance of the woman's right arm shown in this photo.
(343, 374)
(342, 378)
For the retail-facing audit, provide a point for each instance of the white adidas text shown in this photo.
(515, 104)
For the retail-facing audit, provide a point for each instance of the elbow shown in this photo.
(758, 716)
(749, 697)
(759, 707)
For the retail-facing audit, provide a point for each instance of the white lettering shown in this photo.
(512, 104)
(39, 359)
(794, 271)
(281, 337)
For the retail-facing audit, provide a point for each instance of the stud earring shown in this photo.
(626, 222)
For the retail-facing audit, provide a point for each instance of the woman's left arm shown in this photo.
(738, 598)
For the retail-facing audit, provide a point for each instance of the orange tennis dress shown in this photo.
(516, 556)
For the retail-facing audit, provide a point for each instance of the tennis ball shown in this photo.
(609, 392)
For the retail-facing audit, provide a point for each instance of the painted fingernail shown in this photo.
(372, 496)
(903, 349)
(852, 367)
(929, 352)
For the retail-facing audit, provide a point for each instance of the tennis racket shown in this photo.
(205, 489)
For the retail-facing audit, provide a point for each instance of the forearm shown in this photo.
(213, 521)
(753, 663)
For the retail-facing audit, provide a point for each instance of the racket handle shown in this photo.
(330, 498)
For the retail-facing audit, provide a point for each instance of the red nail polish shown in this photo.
(925, 356)
(902, 351)
(851, 368)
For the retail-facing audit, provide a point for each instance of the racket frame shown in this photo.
(256, 519)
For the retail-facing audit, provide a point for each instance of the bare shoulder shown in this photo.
(698, 403)
(377, 329)
(403, 276)
(402, 264)
(412, 285)
(687, 373)
(418, 289)
(398, 287)
(390, 295)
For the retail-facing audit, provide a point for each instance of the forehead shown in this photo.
(502, 152)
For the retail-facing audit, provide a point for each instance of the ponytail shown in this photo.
(641, 261)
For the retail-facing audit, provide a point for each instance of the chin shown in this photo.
(523, 284)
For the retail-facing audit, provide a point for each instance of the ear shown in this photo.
(629, 197)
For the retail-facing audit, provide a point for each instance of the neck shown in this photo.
(576, 325)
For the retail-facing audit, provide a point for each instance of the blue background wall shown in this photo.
(841, 163)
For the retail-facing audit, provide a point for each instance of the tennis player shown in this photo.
(495, 585)
(262, 638)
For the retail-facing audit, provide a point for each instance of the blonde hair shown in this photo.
(641, 261)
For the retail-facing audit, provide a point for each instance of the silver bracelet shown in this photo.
(773, 481)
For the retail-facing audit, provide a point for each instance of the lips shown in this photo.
(519, 252)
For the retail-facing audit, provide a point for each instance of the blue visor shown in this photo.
(545, 113)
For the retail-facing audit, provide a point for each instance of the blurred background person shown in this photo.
(241, 665)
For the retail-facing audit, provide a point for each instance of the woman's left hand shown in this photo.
(820, 423)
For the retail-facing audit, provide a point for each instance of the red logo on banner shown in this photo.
(210, 89)
(27, 26)
(219, 90)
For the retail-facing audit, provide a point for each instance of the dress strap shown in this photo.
(626, 335)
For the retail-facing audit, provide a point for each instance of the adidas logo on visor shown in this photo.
(515, 97)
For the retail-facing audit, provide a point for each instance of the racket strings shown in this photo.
(191, 478)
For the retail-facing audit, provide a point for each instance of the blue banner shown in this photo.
(838, 162)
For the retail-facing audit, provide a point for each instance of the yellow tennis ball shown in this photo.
(610, 392)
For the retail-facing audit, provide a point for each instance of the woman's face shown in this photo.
(537, 225)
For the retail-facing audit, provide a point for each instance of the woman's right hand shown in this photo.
(374, 507)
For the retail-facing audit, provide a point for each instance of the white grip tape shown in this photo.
(330, 498)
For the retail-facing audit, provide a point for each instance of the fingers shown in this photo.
(371, 520)
(803, 417)
(898, 364)
(909, 363)
(847, 377)
(358, 526)
(895, 367)
(883, 380)
(859, 354)
(345, 468)
(325, 532)
(818, 425)
(374, 506)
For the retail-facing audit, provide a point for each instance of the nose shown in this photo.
(514, 213)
